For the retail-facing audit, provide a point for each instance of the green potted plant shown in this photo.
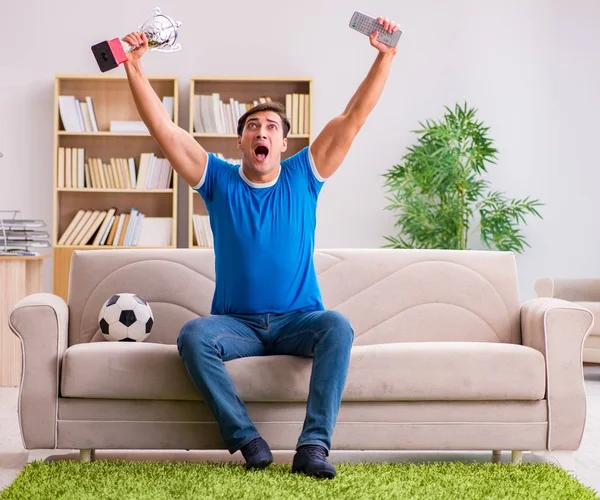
(437, 189)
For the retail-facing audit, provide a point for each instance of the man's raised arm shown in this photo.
(186, 156)
(331, 146)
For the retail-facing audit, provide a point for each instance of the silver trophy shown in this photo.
(160, 30)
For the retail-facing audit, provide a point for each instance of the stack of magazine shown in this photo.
(21, 236)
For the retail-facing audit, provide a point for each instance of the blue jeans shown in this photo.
(205, 343)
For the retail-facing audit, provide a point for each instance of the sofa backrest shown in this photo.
(389, 295)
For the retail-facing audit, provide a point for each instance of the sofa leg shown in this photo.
(496, 456)
(87, 455)
(563, 459)
(516, 456)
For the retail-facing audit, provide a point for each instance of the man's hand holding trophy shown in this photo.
(159, 32)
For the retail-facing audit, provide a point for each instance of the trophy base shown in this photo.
(109, 54)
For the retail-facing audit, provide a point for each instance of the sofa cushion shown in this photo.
(383, 372)
(387, 294)
(594, 308)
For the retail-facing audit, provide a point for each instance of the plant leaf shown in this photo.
(437, 188)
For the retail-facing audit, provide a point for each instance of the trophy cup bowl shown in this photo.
(160, 30)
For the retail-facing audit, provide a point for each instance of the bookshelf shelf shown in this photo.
(100, 247)
(97, 171)
(213, 121)
(105, 134)
(234, 136)
(107, 190)
(68, 77)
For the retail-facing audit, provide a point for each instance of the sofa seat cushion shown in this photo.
(383, 372)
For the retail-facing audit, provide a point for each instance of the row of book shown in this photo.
(202, 231)
(107, 227)
(77, 171)
(214, 116)
(79, 115)
(234, 161)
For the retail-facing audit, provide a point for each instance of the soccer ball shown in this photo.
(126, 317)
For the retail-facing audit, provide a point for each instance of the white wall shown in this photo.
(530, 68)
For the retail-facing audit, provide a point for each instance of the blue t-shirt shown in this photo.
(263, 236)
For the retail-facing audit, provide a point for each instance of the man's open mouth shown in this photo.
(261, 152)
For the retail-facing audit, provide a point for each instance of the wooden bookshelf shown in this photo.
(244, 90)
(112, 100)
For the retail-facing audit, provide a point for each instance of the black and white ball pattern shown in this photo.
(126, 317)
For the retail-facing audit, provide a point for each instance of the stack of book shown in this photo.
(203, 231)
(79, 115)
(233, 161)
(76, 170)
(110, 228)
(213, 116)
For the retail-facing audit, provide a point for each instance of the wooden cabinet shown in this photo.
(19, 277)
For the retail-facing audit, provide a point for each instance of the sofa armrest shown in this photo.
(571, 289)
(40, 320)
(557, 328)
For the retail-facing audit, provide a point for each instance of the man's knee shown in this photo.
(337, 322)
(195, 334)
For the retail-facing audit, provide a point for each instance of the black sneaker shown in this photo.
(311, 460)
(257, 454)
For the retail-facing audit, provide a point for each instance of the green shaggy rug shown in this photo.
(122, 480)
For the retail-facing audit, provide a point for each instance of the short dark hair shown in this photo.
(276, 107)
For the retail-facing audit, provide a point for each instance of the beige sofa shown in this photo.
(445, 358)
(584, 292)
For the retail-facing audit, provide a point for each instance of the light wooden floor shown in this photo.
(13, 457)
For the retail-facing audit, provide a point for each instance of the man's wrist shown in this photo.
(133, 64)
(389, 54)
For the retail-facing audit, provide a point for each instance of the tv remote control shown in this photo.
(366, 25)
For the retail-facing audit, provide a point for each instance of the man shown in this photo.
(267, 299)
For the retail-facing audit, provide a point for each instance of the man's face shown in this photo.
(262, 142)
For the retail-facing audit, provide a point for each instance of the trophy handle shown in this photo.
(153, 13)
